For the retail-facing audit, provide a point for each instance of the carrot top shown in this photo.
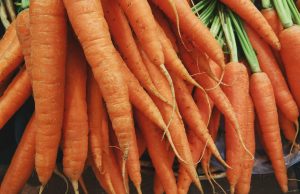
(284, 13)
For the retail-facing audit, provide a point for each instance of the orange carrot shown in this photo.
(14, 96)
(142, 21)
(272, 18)
(140, 142)
(193, 28)
(75, 125)
(204, 105)
(264, 101)
(125, 42)
(158, 153)
(22, 164)
(287, 127)
(176, 127)
(236, 76)
(8, 37)
(105, 65)
(48, 83)
(247, 10)
(268, 64)
(290, 57)
(243, 185)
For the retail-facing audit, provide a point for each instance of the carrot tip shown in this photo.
(284, 188)
(232, 189)
(75, 186)
(41, 189)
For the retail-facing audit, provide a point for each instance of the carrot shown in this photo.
(236, 76)
(273, 20)
(204, 105)
(262, 94)
(289, 55)
(140, 142)
(247, 10)
(48, 82)
(157, 152)
(187, 107)
(142, 21)
(176, 127)
(288, 128)
(193, 28)
(8, 37)
(125, 42)
(14, 96)
(105, 65)
(268, 64)
(22, 164)
(243, 185)
(75, 125)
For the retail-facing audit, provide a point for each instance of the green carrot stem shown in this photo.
(207, 14)
(200, 6)
(283, 13)
(245, 42)
(215, 26)
(266, 4)
(294, 11)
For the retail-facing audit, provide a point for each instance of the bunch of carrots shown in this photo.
(112, 79)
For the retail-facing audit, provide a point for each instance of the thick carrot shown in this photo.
(158, 153)
(125, 42)
(15, 95)
(105, 62)
(176, 127)
(47, 77)
(187, 107)
(268, 64)
(243, 185)
(193, 28)
(142, 21)
(22, 164)
(290, 58)
(75, 125)
(247, 10)
(264, 101)
(236, 76)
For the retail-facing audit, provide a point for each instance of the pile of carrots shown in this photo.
(114, 79)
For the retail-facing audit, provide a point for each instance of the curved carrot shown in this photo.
(75, 124)
(268, 64)
(193, 28)
(105, 62)
(8, 37)
(243, 185)
(287, 127)
(158, 153)
(15, 95)
(142, 21)
(48, 84)
(290, 57)
(272, 18)
(22, 164)
(125, 42)
(247, 10)
(264, 101)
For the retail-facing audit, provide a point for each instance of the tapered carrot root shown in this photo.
(22, 163)
(265, 106)
(14, 96)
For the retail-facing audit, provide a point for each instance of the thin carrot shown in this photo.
(48, 84)
(268, 64)
(22, 164)
(247, 10)
(288, 128)
(15, 95)
(141, 143)
(125, 42)
(176, 127)
(158, 153)
(243, 185)
(142, 21)
(8, 37)
(105, 65)
(204, 105)
(75, 124)
(193, 28)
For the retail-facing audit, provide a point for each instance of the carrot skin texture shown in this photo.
(152, 137)
(22, 164)
(290, 57)
(75, 125)
(49, 16)
(14, 96)
(247, 10)
(264, 101)
(243, 185)
(236, 76)
(287, 127)
(193, 28)
(8, 37)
